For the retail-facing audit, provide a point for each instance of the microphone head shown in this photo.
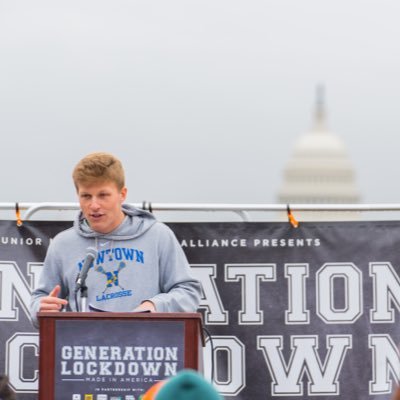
(91, 252)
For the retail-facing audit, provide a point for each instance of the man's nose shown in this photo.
(94, 204)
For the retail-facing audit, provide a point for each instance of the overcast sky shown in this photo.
(202, 100)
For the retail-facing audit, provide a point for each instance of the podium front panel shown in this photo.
(110, 358)
(101, 357)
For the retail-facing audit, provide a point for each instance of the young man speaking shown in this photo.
(138, 263)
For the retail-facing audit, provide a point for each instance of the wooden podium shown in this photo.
(102, 355)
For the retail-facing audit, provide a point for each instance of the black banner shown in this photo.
(299, 312)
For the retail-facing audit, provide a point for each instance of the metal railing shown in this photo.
(242, 210)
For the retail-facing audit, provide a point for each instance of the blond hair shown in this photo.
(99, 167)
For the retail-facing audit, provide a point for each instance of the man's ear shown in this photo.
(124, 193)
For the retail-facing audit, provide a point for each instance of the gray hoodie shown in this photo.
(140, 260)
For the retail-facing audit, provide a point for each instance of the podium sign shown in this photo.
(112, 356)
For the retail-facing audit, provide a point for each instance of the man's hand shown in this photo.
(145, 306)
(52, 302)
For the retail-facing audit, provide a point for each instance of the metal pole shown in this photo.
(241, 209)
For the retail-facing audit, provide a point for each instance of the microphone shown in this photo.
(81, 278)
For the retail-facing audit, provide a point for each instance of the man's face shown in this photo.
(101, 205)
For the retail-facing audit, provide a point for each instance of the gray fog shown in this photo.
(201, 100)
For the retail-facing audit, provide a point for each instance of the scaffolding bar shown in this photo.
(240, 209)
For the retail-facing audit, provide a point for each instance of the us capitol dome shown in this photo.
(319, 170)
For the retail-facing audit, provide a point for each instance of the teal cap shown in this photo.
(187, 384)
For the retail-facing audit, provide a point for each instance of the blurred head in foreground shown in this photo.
(186, 385)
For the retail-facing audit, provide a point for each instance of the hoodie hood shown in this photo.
(135, 223)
